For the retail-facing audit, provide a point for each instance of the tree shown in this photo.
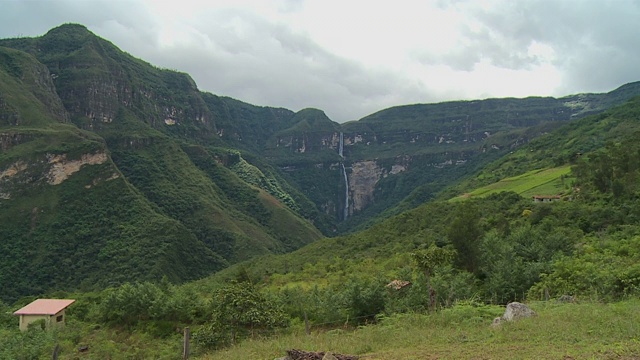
(427, 260)
(464, 233)
(238, 309)
(130, 304)
(364, 298)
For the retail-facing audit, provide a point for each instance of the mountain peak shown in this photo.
(69, 28)
(315, 119)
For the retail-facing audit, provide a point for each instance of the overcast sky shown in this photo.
(352, 58)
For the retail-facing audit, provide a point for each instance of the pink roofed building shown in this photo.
(52, 311)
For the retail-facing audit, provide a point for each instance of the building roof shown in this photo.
(45, 307)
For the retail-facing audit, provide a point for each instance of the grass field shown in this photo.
(560, 331)
(552, 181)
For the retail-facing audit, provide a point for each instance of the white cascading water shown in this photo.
(346, 180)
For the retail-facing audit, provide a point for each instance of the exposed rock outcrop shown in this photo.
(13, 169)
(62, 168)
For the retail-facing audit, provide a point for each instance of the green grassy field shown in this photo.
(560, 331)
(552, 181)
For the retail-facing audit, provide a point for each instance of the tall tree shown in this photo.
(427, 261)
(465, 233)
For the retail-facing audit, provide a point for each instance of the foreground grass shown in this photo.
(536, 182)
(560, 331)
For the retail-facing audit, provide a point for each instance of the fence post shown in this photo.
(306, 324)
(185, 344)
(55, 352)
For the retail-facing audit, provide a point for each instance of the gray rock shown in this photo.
(516, 310)
(497, 322)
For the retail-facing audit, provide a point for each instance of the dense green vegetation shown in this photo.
(506, 246)
(121, 182)
(110, 171)
(501, 248)
(578, 330)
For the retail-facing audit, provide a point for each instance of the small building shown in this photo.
(545, 198)
(52, 311)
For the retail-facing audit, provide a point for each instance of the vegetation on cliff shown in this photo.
(109, 172)
(119, 180)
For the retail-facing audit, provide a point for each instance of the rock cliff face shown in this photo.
(362, 183)
(61, 168)
(98, 101)
(310, 142)
(95, 81)
(11, 139)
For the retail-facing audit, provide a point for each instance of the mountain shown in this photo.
(507, 247)
(113, 170)
(400, 157)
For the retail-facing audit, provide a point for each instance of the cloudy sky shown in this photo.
(351, 58)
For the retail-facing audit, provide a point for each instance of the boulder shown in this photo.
(496, 322)
(514, 311)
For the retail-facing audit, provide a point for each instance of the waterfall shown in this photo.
(346, 193)
(344, 175)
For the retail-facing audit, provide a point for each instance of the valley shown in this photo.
(158, 206)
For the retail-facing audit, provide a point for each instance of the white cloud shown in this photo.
(352, 58)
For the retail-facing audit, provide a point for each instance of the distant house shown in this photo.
(545, 198)
(52, 311)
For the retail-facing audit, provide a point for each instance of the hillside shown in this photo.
(575, 262)
(111, 170)
(119, 211)
(582, 330)
(564, 146)
(400, 157)
(507, 246)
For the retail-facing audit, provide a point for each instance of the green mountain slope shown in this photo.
(435, 145)
(566, 145)
(226, 180)
(69, 218)
(506, 245)
(543, 182)
(400, 157)
(109, 173)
